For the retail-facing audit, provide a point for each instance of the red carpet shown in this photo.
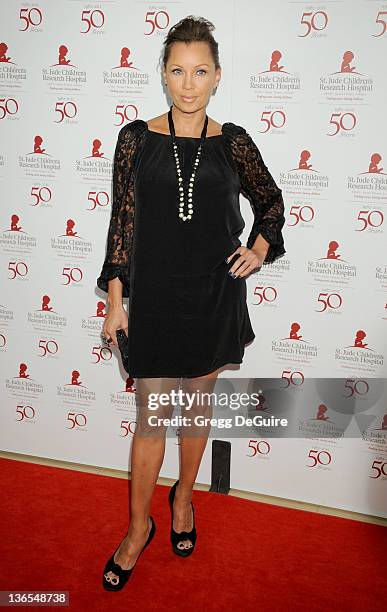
(58, 527)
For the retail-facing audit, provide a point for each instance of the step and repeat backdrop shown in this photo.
(308, 82)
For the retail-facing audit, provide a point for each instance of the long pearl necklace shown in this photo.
(188, 216)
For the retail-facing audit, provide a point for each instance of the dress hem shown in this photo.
(194, 375)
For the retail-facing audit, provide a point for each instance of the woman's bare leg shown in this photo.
(148, 448)
(193, 441)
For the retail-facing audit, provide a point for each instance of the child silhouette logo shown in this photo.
(14, 223)
(261, 403)
(373, 166)
(124, 60)
(376, 158)
(303, 161)
(125, 52)
(321, 413)
(3, 51)
(62, 61)
(331, 252)
(70, 228)
(95, 150)
(37, 142)
(23, 371)
(74, 379)
(45, 303)
(360, 335)
(274, 62)
(100, 309)
(124, 63)
(346, 61)
(129, 385)
(294, 328)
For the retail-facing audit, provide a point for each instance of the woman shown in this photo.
(173, 249)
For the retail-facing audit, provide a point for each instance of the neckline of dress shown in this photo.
(186, 137)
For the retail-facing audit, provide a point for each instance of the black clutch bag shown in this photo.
(123, 345)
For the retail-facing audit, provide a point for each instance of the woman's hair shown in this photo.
(191, 29)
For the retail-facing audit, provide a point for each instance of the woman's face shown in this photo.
(190, 75)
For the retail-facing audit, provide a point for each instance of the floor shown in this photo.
(278, 501)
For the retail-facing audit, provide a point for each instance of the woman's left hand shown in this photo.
(247, 262)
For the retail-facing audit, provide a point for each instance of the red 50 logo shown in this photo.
(274, 119)
(76, 419)
(370, 218)
(294, 377)
(264, 294)
(66, 110)
(381, 18)
(380, 468)
(31, 17)
(304, 213)
(17, 268)
(98, 198)
(342, 121)
(73, 275)
(315, 21)
(127, 427)
(93, 19)
(160, 21)
(8, 106)
(102, 353)
(25, 412)
(259, 447)
(126, 112)
(40, 194)
(319, 457)
(358, 387)
(329, 300)
(49, 347)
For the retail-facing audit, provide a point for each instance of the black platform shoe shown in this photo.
(116, 583)
(183, 535)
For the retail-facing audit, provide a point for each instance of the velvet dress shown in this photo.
(187, 315)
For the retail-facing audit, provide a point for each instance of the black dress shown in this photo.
(187, 315)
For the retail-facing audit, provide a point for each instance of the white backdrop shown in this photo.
(308, 82)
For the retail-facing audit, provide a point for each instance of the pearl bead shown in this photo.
(180, 179)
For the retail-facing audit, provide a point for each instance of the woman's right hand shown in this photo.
(116, 318)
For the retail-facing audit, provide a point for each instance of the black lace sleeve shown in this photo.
(259, 187)
(120, 232)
